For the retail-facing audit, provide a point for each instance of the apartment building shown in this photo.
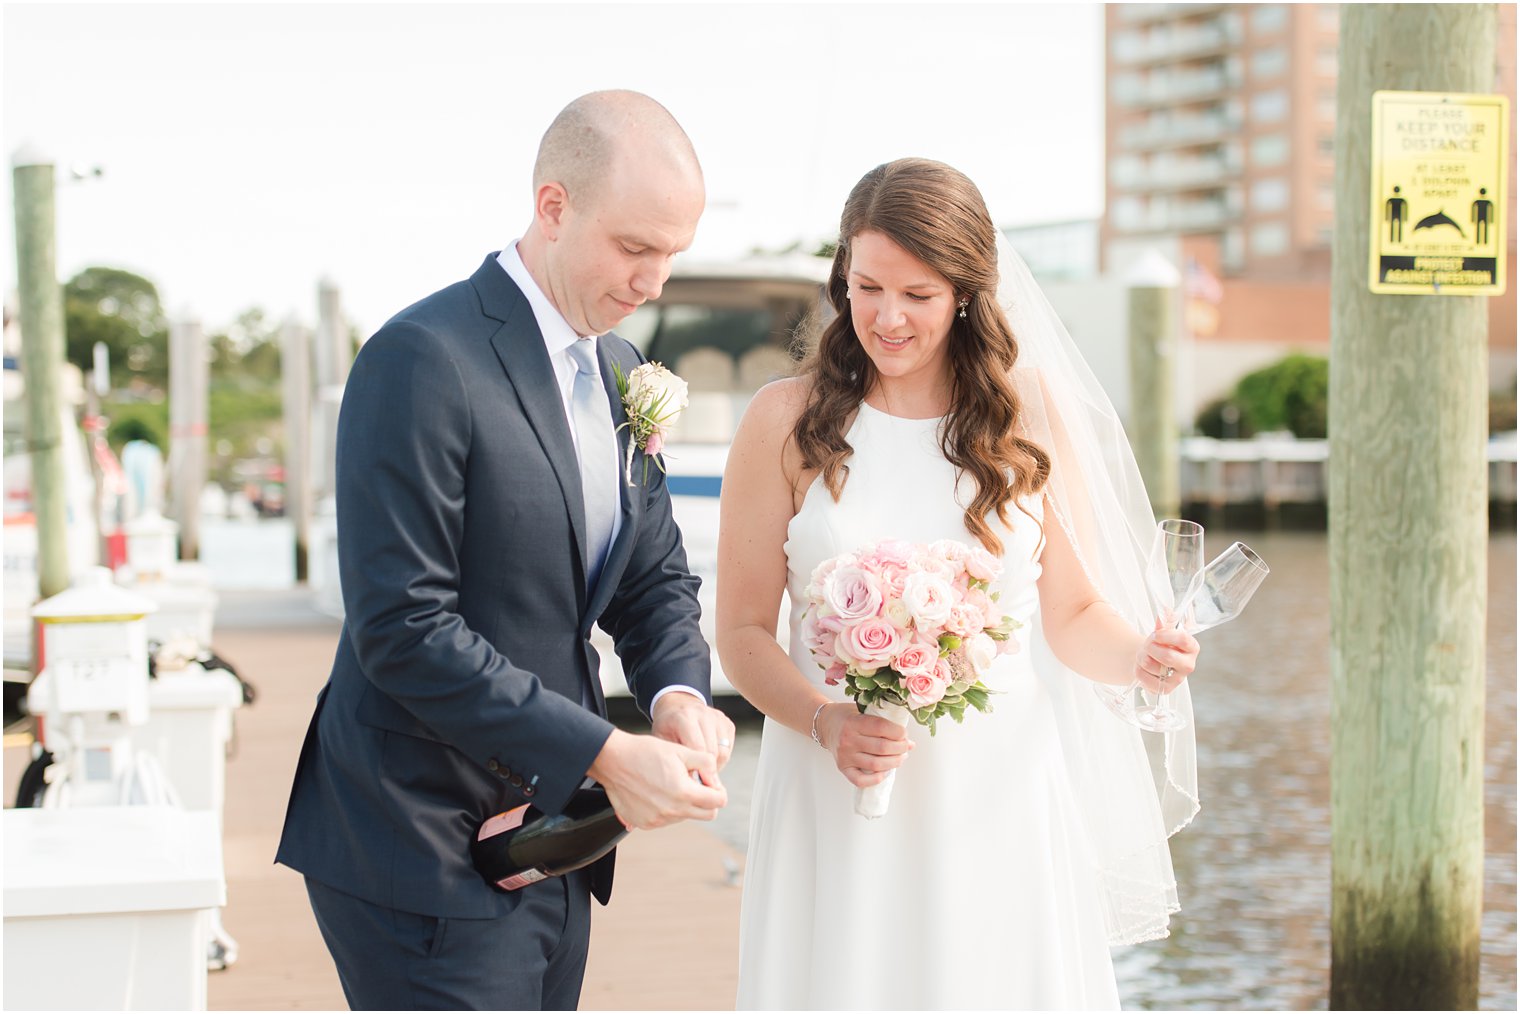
(1221, 153)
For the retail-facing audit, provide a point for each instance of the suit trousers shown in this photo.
(533, 958)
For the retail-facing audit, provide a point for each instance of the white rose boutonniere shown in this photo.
(653, 399)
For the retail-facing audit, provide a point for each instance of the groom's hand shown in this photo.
(687, 719)
(650, 783)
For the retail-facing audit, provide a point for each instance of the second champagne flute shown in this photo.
(1228, 583)
(1173, 572)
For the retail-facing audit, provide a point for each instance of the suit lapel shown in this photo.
(520, 346)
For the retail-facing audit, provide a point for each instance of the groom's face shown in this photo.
(613, 247)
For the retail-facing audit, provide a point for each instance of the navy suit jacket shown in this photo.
(465, 654)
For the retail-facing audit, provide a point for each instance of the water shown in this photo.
(1254, 868)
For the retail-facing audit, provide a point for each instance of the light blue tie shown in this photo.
(594, 438)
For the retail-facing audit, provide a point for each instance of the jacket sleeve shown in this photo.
(404, 437)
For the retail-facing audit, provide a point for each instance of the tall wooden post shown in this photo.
(1408, 526)
(41, 320)
(189, 384)
(295, 378)
(1152, 363)
(334, 355)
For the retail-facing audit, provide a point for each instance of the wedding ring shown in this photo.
(1168, 674)
(725, 743)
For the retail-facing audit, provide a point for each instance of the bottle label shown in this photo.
(502, 822)
(522, 879)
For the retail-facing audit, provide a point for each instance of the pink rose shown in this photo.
(924, 691)
(965, 620)
(853, 594)
(917, 659)
(979, 600)
(821, 636)
(928, 563)
(943, 673)
(834, 674)
(895, 551)
(872, 643)
(655, 443)
(951, 551)
(820, 575)
(893, 577)
(982, 565)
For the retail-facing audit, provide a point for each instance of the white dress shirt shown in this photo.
(558, 337)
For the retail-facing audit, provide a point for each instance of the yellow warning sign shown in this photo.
(1440, 165)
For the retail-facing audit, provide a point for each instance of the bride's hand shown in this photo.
(1166, 658)
(865, 747)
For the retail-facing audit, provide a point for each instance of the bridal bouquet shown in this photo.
(909, 631)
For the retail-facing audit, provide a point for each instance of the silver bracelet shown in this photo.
(815, 723)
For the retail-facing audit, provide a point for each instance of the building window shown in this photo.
(1269, 62)
(1269, 150)
(1326, 235)
(1328, 16)
(1269, 107)
(1233, 252)
(1128, 46)
(1266, 18)
(1327, 146)
(1324, 106)
(1269, 194)
(1269, 239)
(1327, 61)
(1129, 214)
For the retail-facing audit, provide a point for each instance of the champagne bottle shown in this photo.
(523, 846)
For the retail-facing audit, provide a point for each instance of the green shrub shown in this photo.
(1292, 394)
(137, 420)
(1221, 420)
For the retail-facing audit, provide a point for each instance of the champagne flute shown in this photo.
(1173, 573)
(1228, 583)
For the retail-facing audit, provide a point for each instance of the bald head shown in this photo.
(598, 133)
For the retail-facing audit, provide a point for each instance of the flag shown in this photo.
(1199, 283)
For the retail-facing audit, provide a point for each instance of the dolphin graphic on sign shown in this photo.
(1439, 218)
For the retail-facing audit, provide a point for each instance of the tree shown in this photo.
(122, 310)
(247, 354)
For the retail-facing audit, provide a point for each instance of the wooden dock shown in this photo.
(668, 941)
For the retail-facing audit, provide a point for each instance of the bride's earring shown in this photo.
(962, 305)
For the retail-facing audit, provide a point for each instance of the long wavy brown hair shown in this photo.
(936, 214)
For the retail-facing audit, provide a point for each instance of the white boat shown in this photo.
(727, 329)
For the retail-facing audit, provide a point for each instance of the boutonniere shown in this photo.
(653, 399)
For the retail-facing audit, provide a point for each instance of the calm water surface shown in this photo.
(1254, 867)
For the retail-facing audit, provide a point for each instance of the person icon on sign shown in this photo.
(1482, 214)
(1394, 211)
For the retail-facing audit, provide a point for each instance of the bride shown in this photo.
(945, 401)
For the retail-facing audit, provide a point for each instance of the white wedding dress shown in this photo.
(977, 889)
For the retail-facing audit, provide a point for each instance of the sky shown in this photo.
(249, 151)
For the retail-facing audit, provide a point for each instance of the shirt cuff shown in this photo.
(678, 688)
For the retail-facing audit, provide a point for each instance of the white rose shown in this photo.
(982, 651)
(897, 614)
(929, 598)
(652, 384)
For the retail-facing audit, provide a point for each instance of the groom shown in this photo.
(484, 525)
